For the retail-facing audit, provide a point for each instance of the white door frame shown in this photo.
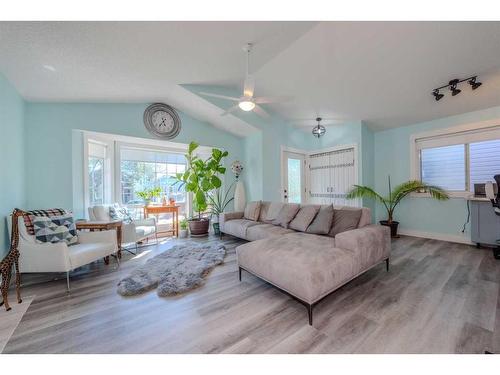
(304, 174)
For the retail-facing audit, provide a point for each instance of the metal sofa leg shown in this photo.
(310, 313)
(239, 273)
(387, 264)
(67, 281)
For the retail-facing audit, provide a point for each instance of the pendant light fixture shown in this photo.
(319, 130)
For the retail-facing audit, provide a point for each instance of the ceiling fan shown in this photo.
(247, 102)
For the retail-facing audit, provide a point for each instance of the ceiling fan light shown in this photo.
(246, 105)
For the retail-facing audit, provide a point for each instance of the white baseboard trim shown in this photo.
(437, 236)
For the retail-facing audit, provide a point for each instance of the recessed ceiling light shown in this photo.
(49, 67)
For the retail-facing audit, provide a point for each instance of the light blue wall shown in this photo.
(392, 157)
(54, 154)
(12, 151)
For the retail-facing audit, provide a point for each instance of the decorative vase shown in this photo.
(183, 233)
(164, 201)
(240, 200)
(172, 201)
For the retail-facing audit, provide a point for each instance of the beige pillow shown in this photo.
(286, 214)
(252, 210)
(344, 219)
(273, 211)
(322, 222)
(304, 217)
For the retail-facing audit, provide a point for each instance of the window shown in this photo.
(456, 161)
(96, 173)
(142, 169)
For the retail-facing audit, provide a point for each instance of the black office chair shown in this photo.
(495, 202)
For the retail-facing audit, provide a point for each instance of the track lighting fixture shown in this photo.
(437, 95)
(453, 87)
(318, 130)
(474, 84)
(472, 81)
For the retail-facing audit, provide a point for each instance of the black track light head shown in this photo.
(437, 95)
(453, 87)
(474, 84)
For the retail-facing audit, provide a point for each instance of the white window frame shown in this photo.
(455, 131)
(114, 142)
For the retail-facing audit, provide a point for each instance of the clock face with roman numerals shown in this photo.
(162, 121)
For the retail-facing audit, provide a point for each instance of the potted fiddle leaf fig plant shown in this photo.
(218, 203)
(200, 178)
(396, 196)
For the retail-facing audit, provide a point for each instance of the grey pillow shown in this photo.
(304, 217)
(55, 229)
(344, 219)
(322, 222)
(252, 211)
(272, 212)
(286, 214)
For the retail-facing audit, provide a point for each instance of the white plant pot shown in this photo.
(183, 233)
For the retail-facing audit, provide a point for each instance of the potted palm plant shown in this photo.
(395, 197)
(218, 203)
(200, 178)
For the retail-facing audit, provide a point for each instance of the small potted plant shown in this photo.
(218, 203)
(184, 228)
(149, 194)
(395, 196)
(200, 178)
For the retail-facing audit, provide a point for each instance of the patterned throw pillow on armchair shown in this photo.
(120, 213)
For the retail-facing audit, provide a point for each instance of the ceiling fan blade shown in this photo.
(219, 96)
(272, 99)
(260, 111)
(230, 110)
(248, 86)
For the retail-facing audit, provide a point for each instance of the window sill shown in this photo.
(452, 194)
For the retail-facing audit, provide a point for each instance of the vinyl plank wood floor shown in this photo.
(438, 297)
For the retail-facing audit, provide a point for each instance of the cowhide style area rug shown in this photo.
(177, 270)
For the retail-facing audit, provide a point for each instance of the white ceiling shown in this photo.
(378, 72)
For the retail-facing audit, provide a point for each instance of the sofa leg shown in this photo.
(239, 273)
(310, 313)
(387, 264)
(67, 281)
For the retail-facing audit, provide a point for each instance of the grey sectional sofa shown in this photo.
(328, 247)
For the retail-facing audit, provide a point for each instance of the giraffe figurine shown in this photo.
(12, 259)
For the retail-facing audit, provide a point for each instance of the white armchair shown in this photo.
(132, 233)
(59, 257)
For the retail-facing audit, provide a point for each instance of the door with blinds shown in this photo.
(331, 175)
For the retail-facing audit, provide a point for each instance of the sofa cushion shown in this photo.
(29, 216)
(120, 213)
(258, 232)
(286, 214)
(55, 229)
(304, 217)
(252, 211)
(238, 227)
(305, 265)
(323, 221)
(344, 219)
(271, 212)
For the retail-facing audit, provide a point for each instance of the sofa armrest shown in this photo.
(107, 236)
(373, 239)
(44, 257)
(226, 216)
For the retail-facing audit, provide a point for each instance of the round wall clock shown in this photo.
(162, 121)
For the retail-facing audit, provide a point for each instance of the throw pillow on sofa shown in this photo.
(252, 211)
(286, 214)
(322, 222)
(344, 219)
(31, 215)
(120, 213)
(304, 217)
(270, 212)
(55, 229)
